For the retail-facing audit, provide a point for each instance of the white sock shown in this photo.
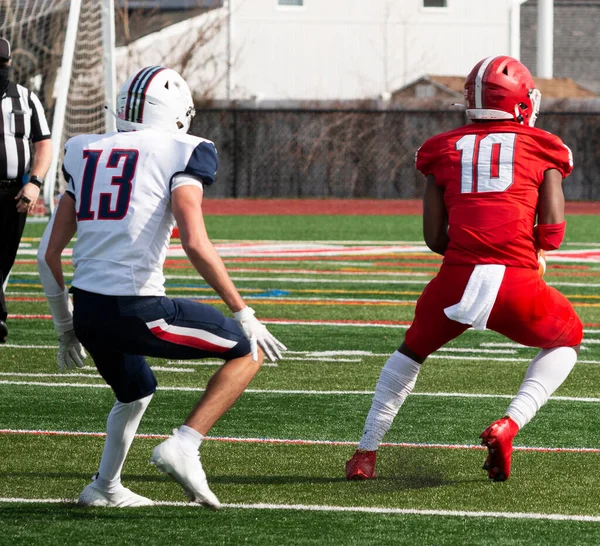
(121, 426)
(189, 439)
(396, 381)
(545, 374)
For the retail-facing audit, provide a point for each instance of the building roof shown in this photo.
(453, 86)
(169, 4)
(143, 17)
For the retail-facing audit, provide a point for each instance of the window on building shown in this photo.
(435, 3)
(290, 2)
(424, 91)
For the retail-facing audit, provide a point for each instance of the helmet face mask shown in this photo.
(502, 88)
(155, 97)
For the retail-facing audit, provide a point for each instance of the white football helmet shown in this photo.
(155, 97)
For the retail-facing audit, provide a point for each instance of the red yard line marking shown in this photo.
(405, 264)
(355, 258)
(311, 206)
(272, 207)
(344, 270)
(290, 441)
(576, 274)
(562, 266)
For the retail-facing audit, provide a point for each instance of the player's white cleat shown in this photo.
(92, 495)
(185, 469)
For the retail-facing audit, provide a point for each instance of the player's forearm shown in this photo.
(55, 268)
(49, 263)
(51, 275)
(210, 265)
(57, 235)
(439, 246)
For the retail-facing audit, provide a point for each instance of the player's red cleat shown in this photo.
(498, 438)
(362, 465)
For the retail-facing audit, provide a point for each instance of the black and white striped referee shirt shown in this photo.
(22, 122)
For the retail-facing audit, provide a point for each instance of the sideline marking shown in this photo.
(293, 391)
(359, 509)
(304, 442)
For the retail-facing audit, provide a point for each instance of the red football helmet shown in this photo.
(502, 88)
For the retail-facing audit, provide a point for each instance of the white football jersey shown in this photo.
(122, 184)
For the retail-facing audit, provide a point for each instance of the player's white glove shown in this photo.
(70, 351)
(258, 334)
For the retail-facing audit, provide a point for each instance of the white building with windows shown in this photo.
(327, 49)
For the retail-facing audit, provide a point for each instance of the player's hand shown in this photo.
(258, 334)
(70, 351)
(27, 197)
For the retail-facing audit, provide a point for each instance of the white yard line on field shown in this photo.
(334, 356)
(43, 219)
(93, 375)
(265, 364)
(476, 350)
(16, 346)
(351, 509)
(303, 392)
(320, 359)
(317, 279)
(301, 441)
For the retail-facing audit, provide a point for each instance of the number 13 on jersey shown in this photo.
(486, 164)
(120, 161)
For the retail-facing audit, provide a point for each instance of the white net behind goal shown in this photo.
(86, 100)
(37, 30)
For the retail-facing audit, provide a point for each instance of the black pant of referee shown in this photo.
(12, 223)
(25, 156)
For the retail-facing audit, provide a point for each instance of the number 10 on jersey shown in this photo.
(488, 164)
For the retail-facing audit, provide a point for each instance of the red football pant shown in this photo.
(527, 311)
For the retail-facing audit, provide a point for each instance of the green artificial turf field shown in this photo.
(339, 291)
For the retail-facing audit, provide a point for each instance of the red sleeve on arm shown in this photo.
(554, 154)
(426, 157)
(550, 236)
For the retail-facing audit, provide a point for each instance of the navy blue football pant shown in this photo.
(119, 331)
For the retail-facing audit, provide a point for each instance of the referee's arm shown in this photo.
(42, 154)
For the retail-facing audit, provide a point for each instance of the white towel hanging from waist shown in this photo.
(479, 296)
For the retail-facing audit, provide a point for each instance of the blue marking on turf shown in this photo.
(12, 280)
(269, 294)
(176, 285)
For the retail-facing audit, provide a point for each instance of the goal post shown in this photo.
(60, 106)
(86, 82)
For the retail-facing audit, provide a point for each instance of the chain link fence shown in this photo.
(341, 153)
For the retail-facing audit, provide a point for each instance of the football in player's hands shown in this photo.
(541, 262)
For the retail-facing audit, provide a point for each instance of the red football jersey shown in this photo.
(491, 173)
